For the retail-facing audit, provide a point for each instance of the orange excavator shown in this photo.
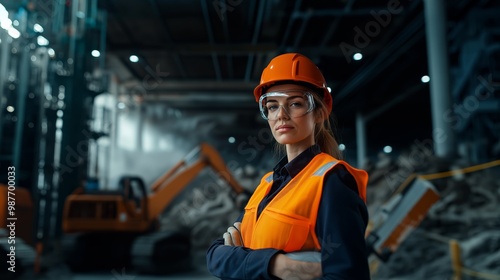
(119, 229)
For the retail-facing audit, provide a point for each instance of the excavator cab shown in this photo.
(121, 210)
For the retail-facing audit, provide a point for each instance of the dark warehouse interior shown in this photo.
(130, 137)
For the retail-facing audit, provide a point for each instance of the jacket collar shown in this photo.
(297, 164)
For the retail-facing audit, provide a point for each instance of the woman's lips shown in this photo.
(284, 128)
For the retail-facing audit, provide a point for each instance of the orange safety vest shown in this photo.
(288, 222)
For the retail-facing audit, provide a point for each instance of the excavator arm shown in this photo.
(171, 184)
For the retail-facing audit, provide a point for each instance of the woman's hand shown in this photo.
(232, 236)
(283, 267)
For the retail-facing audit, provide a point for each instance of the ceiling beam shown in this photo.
(288, 29)
(335, 12)
(333, 27)
(255, 38)
(166, 33)
(193, 98)
(229, 58)
(197, 85)
(211, 39)
(200, 49)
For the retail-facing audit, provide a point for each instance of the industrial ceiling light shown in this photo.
(51, 52)
(357, 56)
(425, 79)
(42, 41)
(134, 58)
(96, 53)
(387, 149)
(38, 28)
(6, 23)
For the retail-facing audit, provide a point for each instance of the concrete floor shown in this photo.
(59, 271)
(115, 275)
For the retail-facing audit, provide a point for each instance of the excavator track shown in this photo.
(84, 252)
(161, 252)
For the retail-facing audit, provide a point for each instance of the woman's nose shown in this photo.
(282, 113)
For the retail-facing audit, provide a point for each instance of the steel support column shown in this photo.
(435, 27)
(22, 93)
(4, 62)
(360, 139)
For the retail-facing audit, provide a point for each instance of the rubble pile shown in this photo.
(209, 207)
(468, 212)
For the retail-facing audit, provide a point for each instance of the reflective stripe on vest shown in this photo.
(288, 222)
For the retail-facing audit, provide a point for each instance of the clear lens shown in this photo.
(293, 103)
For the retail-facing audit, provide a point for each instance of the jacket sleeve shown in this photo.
(340, 227)
(236, 262)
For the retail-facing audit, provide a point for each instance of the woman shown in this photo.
(311, 202)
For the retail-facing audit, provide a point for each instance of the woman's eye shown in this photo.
(296, 105)
(272, 107)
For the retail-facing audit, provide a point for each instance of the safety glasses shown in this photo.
(295, 103)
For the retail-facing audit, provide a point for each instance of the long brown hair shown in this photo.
(323, 133)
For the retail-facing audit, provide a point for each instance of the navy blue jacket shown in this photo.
(340, 227)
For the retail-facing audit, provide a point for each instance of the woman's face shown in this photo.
(288, 127)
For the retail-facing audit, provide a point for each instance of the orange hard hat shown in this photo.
(293, 67)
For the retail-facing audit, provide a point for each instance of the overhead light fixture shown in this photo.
(96, 53)
(42, 41)
(80, 14)
(357, 56)
(342, 147)
(51, 52)
(6, 23)
(425, 79)
(387, 149)
(121, 105)
(231, 140)
(14, 33)
(38, 28)
(134, 58)
(10, 109)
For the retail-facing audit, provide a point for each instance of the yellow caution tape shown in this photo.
(460, 171)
